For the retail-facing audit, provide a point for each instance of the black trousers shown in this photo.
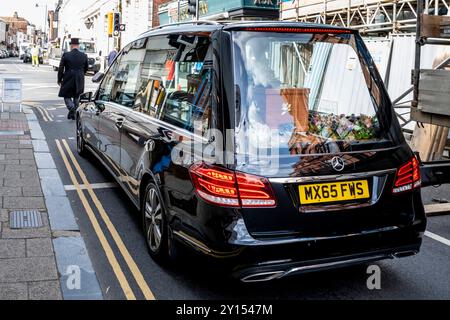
(72, 103)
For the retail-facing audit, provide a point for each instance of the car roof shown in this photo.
(209, 26)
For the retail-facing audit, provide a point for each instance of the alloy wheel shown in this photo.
(80, 142)
(153, 220)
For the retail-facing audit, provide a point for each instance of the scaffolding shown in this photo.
(368, 16)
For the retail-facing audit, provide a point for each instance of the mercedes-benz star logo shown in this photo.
(338, 164)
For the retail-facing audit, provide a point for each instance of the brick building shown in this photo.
(156, 4)
(15, 24)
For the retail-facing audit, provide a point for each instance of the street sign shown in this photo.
(12, 91)
(122, 27)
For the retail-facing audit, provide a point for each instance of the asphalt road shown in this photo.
(132, 273)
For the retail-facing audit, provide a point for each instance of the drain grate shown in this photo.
(25, 219)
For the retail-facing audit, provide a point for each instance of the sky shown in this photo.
(27, 9)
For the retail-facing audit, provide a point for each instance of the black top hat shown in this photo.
(74, 41)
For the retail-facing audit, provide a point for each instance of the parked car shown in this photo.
(272, 147)
(27, 56)
(3, 54)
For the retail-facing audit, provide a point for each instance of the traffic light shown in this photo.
(116, 22)
(192, 7)
(110, 23)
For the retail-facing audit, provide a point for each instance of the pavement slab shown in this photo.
(23, 203)
(40, 247)
(28, 269)
(44, 290)
(13, 291)
(12, 248)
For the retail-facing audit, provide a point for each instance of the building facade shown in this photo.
(220, 10)
(89, 19)
(15, 25)
(2, 34)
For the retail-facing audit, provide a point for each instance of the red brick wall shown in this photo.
(156, 4)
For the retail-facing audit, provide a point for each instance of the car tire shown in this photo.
(154, 222)
(81, 144)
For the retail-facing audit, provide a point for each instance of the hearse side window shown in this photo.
(129, 73)
(108, 84)
(176, 80)
(155, 74)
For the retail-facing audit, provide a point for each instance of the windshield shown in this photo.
(304, 93)
(87, 47)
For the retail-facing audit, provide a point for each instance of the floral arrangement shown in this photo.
(342, 127)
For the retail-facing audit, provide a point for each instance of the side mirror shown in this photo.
(98, 77)
(86, 97)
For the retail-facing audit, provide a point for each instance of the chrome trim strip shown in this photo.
(191, 241)
(326, 154)
(337, 263)
(248, 240)
(145, 118)
(332, 177)
(272, 275)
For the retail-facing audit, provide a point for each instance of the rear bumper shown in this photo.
(276, 270)
(253, 260)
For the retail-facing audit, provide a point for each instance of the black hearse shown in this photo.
(271, 145)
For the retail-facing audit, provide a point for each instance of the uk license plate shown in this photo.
(334, 192)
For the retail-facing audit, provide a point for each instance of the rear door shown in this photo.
(315, 119)
(172, 108)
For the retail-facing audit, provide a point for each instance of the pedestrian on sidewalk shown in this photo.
(112, 55)
(72, 68)
(35, 56)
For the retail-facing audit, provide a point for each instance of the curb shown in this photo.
(78, 279)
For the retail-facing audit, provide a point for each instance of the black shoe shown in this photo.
(69, 115)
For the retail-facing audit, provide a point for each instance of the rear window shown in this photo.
(87, 47)
(303, 93)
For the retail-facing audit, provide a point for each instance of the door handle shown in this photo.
(119, 122)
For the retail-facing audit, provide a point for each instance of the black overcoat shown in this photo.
(73, 66)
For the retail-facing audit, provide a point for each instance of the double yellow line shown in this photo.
(46, 116)
(64, 148)
(44, 113)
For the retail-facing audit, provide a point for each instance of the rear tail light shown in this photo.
(408, 177)
(227, 188)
